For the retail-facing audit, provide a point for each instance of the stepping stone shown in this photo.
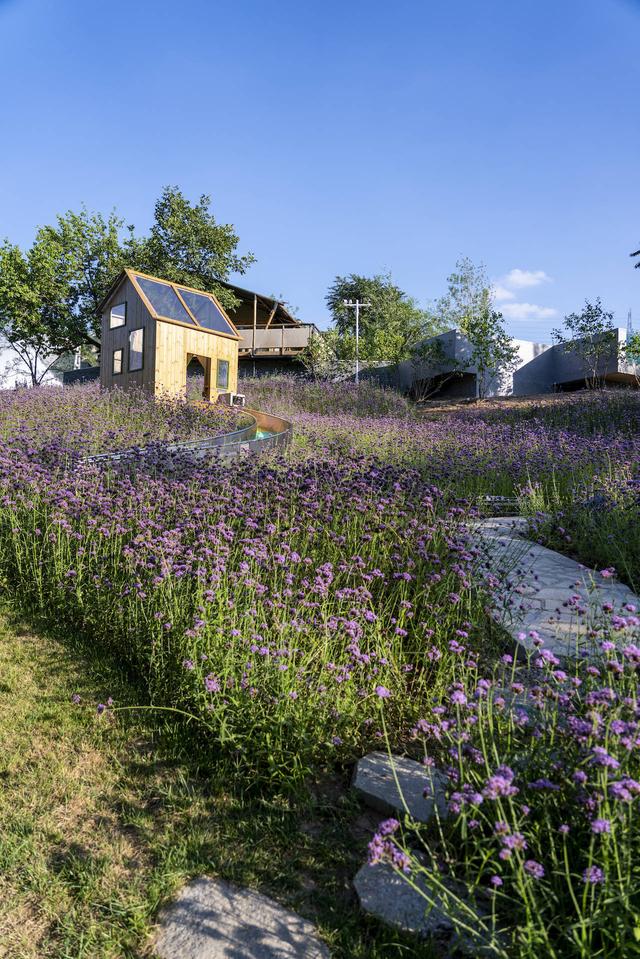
(213, 919)
(385, 894)
(375, 782)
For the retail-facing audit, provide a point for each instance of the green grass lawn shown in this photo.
(98, 825)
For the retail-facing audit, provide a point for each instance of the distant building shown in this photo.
(453, 375)
(84, 373)
(562, 367)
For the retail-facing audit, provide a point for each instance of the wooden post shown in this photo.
(255, 322)
(272, 314)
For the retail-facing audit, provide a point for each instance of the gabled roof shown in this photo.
(178, 304)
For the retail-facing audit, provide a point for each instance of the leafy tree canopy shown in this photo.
(49, 294)
(589, 335)
(467, 290)
(37, 317)
(91, 246)
(389, 327)
(187, 245)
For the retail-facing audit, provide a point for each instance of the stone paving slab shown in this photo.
(214, 919)
(375, 782)
(558, 598)
(385, 894)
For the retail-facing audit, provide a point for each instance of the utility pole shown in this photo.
(357, 305)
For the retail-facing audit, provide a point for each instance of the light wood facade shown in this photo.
(141, 347)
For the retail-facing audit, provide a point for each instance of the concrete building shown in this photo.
(562, 367)
(451, 373)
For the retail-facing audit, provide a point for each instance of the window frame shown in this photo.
(120, 350)
(220, 364)
(118, 326)
(138, 329)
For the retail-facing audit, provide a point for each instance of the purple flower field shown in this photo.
(49, 424)
(298, 610)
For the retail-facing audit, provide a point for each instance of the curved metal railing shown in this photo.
(277, 432)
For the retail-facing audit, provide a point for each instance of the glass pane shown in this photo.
(116, 366)
(164, 300)
(222, 380)
(205, 311)
(118, 316)
(136, 346)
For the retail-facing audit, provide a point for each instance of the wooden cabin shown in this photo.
(153, 331)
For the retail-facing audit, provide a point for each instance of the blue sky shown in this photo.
(345, 136)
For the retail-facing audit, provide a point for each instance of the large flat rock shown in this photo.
(385, 894)
(393, 784)
(415, 908)
(213, 919)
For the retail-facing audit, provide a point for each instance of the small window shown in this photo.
(116, 364)
(136, 347)
(118, 316)
(222, 377)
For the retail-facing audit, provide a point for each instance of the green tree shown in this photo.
(630, 355)
(389, 327)
(492, 350)
(467, 307)
(591, 336)
(467, 289)
(37, 317)
(187, 245)
(92, 247)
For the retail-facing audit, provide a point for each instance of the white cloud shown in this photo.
(521, 279)
(527, 311)
(502, 293)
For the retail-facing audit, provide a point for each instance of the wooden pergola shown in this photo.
(266, 326)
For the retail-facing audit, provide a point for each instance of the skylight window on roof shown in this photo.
(164, 300)
(205, 311)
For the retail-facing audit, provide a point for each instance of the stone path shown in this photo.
(555, 596)
(213, 919)
(377, 777)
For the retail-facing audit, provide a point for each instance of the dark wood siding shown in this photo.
(137, 317)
